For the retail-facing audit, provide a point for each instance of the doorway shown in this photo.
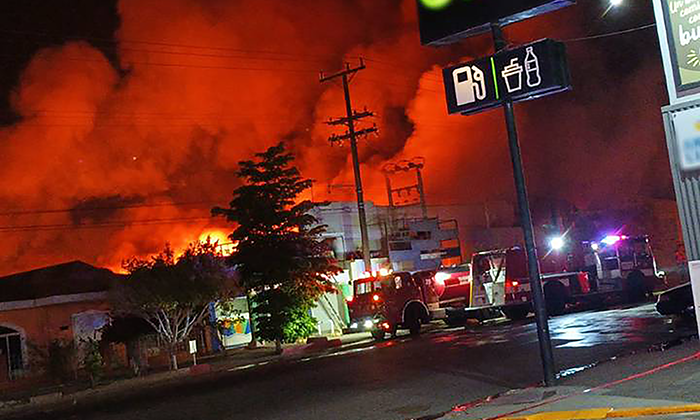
(11, 358)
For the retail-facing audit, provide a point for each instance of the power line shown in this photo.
(164, 44)
(144, 114)
(284, 56)
(119, 224)
(107, 208)
(609, 34)
(184, 65)
(223, 56)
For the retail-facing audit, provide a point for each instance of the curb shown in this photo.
(608, 413)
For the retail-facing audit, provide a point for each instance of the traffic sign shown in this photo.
(446, 21)
(519, 74)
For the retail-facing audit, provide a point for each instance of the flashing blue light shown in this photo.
(611, 239)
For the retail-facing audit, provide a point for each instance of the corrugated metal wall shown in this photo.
(686, 184)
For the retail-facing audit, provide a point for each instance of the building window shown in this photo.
(400, 246)
(421, 235)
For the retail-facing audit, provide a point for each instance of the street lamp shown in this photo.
(556, 243)
(612, 4)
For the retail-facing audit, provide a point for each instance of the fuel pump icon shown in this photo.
(470, 84)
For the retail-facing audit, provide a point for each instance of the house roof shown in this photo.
(69, 278)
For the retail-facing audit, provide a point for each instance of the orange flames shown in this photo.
(220, 239)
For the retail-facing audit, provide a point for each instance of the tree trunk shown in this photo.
(278, 346)
(220, 337)
(173, 358)
(133, 358)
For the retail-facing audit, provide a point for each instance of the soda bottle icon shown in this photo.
(532, 68)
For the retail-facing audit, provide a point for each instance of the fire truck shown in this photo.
(450, 288)
(624, 265)
(382, 304)
(500, 281)
(497, 282)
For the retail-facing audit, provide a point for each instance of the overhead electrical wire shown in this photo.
(118, 43)
(117, 224)
(108, 208)
(136, 222)
(609, 34)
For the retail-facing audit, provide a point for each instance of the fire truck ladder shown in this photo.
(338, 323)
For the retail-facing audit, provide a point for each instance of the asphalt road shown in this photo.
(403, 378)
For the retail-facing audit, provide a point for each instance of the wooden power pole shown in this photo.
(352, 134)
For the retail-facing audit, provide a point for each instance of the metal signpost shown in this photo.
(508, 76)
(678, 26)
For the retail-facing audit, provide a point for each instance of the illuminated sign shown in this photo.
(686, 123)
(682, 18)
(446, 21)
(520, 74)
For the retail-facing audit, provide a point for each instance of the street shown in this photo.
(402, 378)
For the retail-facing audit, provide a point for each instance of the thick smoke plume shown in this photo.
(112, 159)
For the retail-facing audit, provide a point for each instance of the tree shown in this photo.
(281, 256)
(173, 294)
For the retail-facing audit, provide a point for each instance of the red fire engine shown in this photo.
(501, 281)
(383, 304)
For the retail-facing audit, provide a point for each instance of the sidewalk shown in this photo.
(658, 384)
(65, 396)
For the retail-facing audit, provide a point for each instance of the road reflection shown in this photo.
(585, 329)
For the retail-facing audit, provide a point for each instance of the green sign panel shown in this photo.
(683, 26)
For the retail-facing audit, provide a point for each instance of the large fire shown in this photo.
(111, 159)
(220, 239)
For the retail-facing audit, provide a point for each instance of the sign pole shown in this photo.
(546, 353)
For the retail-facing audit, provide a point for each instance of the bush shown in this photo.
(92, 359)
(57, 359)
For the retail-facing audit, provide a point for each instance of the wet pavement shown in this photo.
(405, 377)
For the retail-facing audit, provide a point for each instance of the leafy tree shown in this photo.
(281, 256)
(173, 294)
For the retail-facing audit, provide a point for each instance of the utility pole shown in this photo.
(546, 353)
(352, 134)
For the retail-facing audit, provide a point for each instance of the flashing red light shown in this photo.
(375, 298)
(386, 325)
(349, 299)
(512, 286)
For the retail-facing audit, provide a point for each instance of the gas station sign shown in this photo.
(519, 74)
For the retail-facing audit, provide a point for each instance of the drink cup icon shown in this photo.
(513, 76)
